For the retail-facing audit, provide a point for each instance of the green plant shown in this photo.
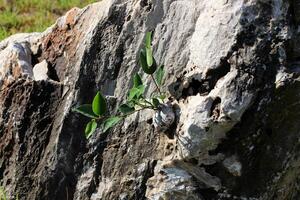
(33, 15)
(3, 195)
(136, 100)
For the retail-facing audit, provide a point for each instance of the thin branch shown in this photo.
(143, 108)
(157, 87)
(148, 102)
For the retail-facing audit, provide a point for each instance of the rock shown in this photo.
(177, 184)
(40, 71)
(233, 166)
(164, 117)
(15, 62)
(232, 75)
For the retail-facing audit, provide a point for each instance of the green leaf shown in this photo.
(162, 97)
(136, 93)
(143, 63)
(85, 110)
(148, 40)
(99, 104)
(110, 122)
(126, 109)
(155, 102)
(131, 103)
(90, 128)
(160, 75)
(149, 57)
(133, 94)
(137, 80)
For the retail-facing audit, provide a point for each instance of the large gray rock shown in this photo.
(233, 75)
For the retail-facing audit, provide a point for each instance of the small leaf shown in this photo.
(137, 80)
(141, 90)
(132, 94)
(99, 104)
(90, 128)
(160, 75)
(126, 109)
(110, 122)
(85, 110)
(155, 102)
(136, 93)
(148, 40)
(143, 63)
(149, 57)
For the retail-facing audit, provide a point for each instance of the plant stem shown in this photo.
(148, 102)
(156, 84)
(141, 105)
(143, 108)
(125, 115)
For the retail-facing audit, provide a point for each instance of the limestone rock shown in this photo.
(233, 78)
(164, 117)
(40, 71)
(15, 62)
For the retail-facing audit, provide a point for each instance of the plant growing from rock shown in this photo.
(2, 194)
(136, 100)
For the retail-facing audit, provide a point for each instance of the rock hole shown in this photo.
(144, 3)
(214, 75)
(52, 73)
(175, 88)
(194, 88)
(215, 108)
(195, 85)
(194, 161)
(68, 27)
(150, 121)
(35, 57)
(208, 193)
(34, 60)
(269, 132)
(169, 148)
(49, 43)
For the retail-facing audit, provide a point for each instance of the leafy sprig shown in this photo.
(135, 102)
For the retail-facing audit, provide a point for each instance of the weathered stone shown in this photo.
(15, 62)
(232, 78)
(164, 117)
(40, 71)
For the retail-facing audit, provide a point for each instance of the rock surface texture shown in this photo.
(233, 71)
